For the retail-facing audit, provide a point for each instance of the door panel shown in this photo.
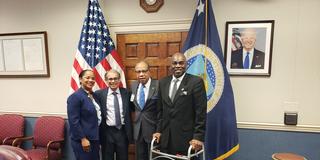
(155, 48)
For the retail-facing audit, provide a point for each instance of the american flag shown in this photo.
(96, 49)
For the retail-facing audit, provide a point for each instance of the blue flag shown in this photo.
(204, 54)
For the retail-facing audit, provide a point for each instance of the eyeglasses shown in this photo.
(141, 71)
(113, 79)
(178, 62)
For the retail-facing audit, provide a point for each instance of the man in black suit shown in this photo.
(183, 105)
(248, 57)
(144, 97)
(116, 127)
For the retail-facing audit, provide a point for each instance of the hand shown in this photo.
(157, 136)
(85, 144)
(196, 144)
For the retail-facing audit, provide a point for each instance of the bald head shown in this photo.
(179, 55)
(142, 72)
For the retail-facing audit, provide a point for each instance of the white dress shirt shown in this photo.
(146, 90)
(96, 106)
(172, 83)
(110, 108)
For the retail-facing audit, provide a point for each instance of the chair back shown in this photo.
(48, 128)
(11, 125)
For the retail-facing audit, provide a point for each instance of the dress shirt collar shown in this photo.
(245, 52)
(110, 91)
(147, 85)
(180, 78)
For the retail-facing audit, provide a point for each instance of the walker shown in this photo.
(154, 149)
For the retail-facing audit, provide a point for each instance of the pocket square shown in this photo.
(184, 93)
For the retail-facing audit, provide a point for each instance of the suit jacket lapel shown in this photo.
(134, 88)
(182, 87)
(254, 59)
(241, 59)
(152, 89)
(166, 90)
(104, 102)
(124, 103)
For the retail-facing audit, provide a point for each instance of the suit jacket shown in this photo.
(82, 116)
(145, 119)
(184, 118)
(257, 61)
(125, 96)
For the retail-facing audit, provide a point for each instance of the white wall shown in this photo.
(293, 85)
(294, 82)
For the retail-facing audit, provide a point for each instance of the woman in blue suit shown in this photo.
(84, 118)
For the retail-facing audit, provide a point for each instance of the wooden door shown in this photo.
(155, 48)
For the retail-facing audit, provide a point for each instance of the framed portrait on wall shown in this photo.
(248, 47)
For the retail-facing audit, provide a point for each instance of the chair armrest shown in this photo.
(17, 142)
(49, 145)
(7, 139)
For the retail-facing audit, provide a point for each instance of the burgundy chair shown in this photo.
(11, 127)
(12, 153)
(48, 138)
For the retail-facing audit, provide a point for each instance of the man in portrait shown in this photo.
(248, 57)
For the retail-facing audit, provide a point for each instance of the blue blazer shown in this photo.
(82, 116)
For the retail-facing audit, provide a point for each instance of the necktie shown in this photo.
(246, 62)
(116, 110)
(174, 89)
(141, 96)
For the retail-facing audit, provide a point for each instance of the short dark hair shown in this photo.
(83, 72)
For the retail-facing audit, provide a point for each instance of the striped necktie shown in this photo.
(116, 110)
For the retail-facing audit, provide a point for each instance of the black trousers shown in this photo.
(115, 144)
(142, 148)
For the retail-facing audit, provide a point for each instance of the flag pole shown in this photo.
(206, 43)
(206, 24)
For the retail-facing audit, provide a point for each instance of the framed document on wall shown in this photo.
(248, 47)
(24, 55)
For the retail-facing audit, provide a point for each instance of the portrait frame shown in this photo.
(260, 49)
(24, 55)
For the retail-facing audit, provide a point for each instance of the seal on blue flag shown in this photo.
(203, 62)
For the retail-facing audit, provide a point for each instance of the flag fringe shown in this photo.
(229, 153)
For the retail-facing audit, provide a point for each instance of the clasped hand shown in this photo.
(196, 144)
(85, 143)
